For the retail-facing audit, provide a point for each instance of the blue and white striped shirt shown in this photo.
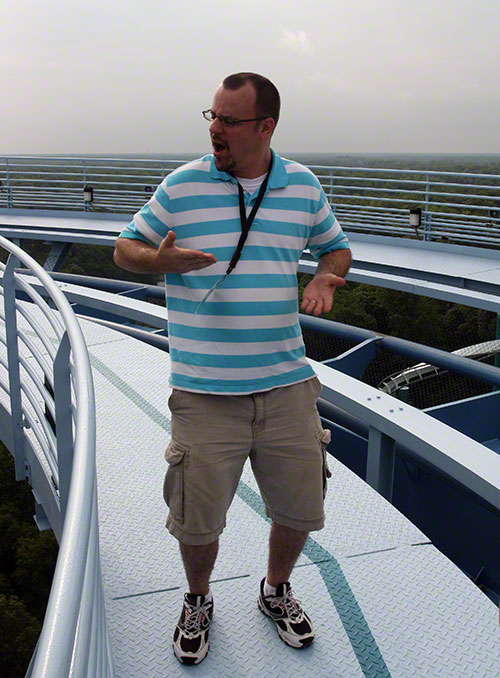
(246, 337)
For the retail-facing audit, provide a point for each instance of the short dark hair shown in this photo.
(267, 102)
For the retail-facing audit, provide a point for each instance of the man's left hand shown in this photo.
(318, 293)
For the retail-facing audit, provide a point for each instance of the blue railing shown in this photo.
(47, 376)
(454, 206)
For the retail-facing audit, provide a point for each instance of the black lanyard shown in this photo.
(247, 223)
(245, 228)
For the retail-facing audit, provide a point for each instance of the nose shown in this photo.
(215, 126)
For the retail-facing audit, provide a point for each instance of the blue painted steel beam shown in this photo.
(418, 352)
(356, 359)
(380, 462)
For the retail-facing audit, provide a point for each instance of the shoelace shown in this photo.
(289, 604)
(194, 617)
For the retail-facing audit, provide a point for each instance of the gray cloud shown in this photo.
(375, 75)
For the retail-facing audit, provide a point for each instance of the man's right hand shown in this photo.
(173, 259)
(139, 257)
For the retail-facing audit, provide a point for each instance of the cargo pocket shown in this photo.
(324, 437)
(173, 486)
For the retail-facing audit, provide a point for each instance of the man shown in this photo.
(238, 369)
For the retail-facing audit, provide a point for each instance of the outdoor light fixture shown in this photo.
(494, 214)
(148, 189)
(415, 217)
(88, 193)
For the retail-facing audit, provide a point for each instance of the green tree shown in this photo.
(19, 631)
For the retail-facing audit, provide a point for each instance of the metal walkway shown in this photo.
(457, 273)
(383, 599)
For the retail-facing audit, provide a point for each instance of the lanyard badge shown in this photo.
(246, 223)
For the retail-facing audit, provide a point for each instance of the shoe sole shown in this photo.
(300, 644)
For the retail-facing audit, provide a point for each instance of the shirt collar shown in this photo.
(278, 178)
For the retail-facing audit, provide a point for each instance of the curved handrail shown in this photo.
(62, 635)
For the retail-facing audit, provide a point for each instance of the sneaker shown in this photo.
(292, 623)
(191, 633)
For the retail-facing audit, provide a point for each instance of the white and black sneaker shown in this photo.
(191, 633)
(292, 623)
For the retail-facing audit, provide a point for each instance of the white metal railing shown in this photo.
(461, 207)
(47, 375)
(393, 423)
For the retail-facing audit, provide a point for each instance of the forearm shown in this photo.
(136, 256)
(336, 262)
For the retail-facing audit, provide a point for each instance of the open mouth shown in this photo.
(218, 147)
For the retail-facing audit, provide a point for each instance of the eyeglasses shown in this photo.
(226, 120)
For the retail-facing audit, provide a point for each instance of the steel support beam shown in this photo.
(380, 462)
(57, 256)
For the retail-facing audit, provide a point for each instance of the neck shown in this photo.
(256, 168)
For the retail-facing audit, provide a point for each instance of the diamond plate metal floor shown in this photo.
(384, 600)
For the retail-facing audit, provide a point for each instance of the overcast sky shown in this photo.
(108, 76)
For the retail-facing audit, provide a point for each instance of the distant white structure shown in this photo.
(423, 371)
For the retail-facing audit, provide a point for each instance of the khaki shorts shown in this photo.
(212, 437)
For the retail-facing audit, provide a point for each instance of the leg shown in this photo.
(292, 623)
(191, 633)
(198, 564)
(289, 465)
(285, 546)
(206, 456)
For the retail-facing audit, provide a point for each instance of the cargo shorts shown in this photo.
(213, 436)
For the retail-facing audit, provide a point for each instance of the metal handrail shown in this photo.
(125, 184)
(61, 649)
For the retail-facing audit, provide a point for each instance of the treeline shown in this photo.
(27, 560)
(480, 163)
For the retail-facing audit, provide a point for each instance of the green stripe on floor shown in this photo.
(360, 636)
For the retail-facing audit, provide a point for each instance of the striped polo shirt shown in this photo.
(246, 336)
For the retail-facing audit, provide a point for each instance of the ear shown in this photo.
(267, 128)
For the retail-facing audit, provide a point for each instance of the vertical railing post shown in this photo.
(85, 204)
(64, 422)
(16, 408)
(331, 190)
(7, 179)
(427, 215)
(427, 226)
(380, 462)
(497, 356)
